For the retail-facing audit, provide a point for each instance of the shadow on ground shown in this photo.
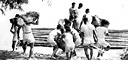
(9, 55)
(4, 55)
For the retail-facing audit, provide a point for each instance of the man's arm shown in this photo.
(18, 32)
(80, 24)
(84, 16)
(77, 37)
(36, 22)
(107, 32)
(95, 36)
(12, 27)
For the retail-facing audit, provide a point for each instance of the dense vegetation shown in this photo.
(12, 4)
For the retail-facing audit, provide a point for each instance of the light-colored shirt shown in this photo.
(69, 38)
(101, 31)
(88, 33)
(80, 14)
(71, 11)
(69, 44)
(53, 33)
(87, 29)
(89, 17)
(61, 22)
(77, 37)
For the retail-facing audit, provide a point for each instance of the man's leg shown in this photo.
(86, 52)
(91, 53)
(73, 53)
(68, 55)
(31, 50)
(13, 45)
(55, 49)
(24, 46)
(82, 37)
(17, 44)
(100, 52)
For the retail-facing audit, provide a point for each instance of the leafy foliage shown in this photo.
(12, 4)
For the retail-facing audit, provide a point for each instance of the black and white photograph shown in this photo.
(63, 29)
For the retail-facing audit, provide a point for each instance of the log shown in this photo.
(117, 38)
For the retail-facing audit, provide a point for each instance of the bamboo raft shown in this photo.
(118, 39)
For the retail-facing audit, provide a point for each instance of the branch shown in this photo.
(2, 11)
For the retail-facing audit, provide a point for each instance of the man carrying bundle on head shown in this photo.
(25, 22)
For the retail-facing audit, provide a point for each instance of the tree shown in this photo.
(12, 4)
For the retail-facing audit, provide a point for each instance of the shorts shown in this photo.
(102, 42)
(28, 37)
(88, 41)
(69, 47)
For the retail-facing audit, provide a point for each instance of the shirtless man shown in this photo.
(72, 12)
(25, 22)
(15, 30)
(79, 14)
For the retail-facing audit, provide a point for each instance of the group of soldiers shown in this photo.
(80, 29)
